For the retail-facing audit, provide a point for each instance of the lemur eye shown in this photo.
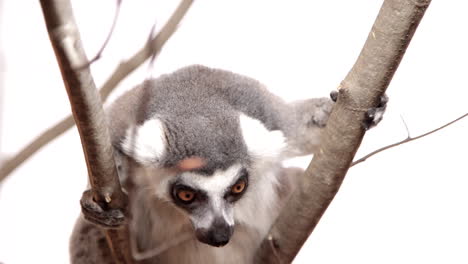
(186, 196)
(239, 187)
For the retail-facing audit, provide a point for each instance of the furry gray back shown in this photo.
(200, 107)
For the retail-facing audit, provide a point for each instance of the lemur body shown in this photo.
(220, 211)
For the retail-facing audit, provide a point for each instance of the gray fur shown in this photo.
(200, 110)
(88, 244)
(196, 101)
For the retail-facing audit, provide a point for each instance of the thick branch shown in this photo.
(360, 90)
(84, 98)
(88, 114)
(122, 71)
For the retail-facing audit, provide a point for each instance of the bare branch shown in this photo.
(89, 116)
(406, 140)
(154, 55)
(2, 73)
(42, 140)
(109, 35)
(408, 134)
(359, 91)
(84, 97)
(154, 46)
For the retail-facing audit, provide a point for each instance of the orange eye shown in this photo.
(186, 195)
(239, 187)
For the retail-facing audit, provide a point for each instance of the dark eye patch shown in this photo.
(236, 191)
(187, 197)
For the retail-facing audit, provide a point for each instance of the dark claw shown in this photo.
(95, 213)
(334, 95)
(374, 115)
(383, 101)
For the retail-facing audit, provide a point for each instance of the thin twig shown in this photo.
(406, 140)
(152, 47)
(154, 55)
(51, 133)
(2, 78)
(408, 135)
(120, 73)
(106, 41)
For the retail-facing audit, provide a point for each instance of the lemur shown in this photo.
(236, 133)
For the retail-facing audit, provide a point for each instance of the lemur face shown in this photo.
(209, 201)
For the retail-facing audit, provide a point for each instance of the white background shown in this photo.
(406, 205)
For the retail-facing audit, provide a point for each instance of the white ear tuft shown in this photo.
(145, 143)
(259, 140)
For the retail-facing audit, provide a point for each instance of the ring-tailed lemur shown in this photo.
(200, 152)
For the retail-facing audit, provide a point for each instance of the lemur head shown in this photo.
(236, 154)
(231, 123)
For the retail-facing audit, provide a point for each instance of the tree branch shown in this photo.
(89, 116)
(47, 136)
(2, 73)
(109, 35)
(155, 45)
(406, 140)
(359, 91)
(84, 97)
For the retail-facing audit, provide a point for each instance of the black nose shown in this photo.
(220, 237)
(217, 235)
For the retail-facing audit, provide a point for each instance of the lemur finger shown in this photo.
(334, 95)
(383, 101)
(375, 115)
(95, 213)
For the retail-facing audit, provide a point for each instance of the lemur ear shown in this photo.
(260, 141)
(145, 143)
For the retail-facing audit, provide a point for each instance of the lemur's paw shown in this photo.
(321, 112)
(374, 115)
(97, 214)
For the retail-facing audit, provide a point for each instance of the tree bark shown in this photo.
(89, 116)
(2, 73)
(360, 90)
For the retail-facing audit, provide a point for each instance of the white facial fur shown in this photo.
(146, 143)
(255, 208)
(215, 186)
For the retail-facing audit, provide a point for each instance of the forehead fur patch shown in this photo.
(213, 184)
